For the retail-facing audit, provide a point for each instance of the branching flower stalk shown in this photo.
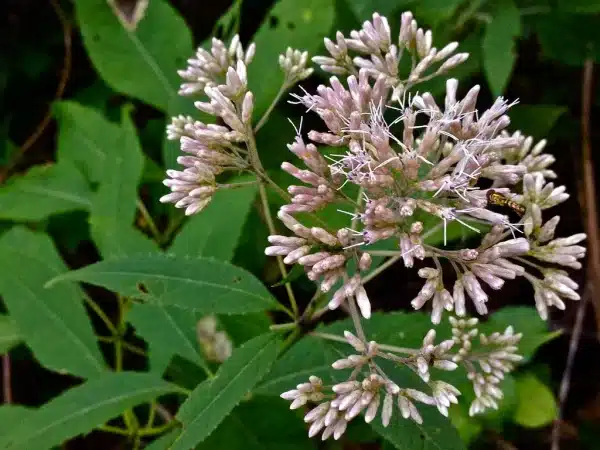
(421, 166)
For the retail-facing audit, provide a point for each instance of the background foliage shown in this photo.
(85, 99)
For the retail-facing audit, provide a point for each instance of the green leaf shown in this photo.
(216, 230)
(13, 415)
(569, 38)
(85, 138)
(81, 409)
(141, 63)
(9, 334)
(524, 320)
(260, 424)
(214, 399)
(467, 428)
(535, 120)
(163, 443)
(201, 284)
(168, 330)
(436, 432)
(114, 206)
(300, 25)
(364, 9)
(43, 191)
(536, 405)
(52, 322)
(498, 45)
(243, 327)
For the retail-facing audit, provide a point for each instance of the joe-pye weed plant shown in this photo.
(388, 175)
(420, 166)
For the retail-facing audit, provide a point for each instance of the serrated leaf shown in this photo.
(85, 138)
(81, 409)
(436, 432)
(214, 399)
(142, 63)
(216, 230)
(536, 405)
(114, 205)
(43, 191)
(9, 334)
(50, 320)
(168, 330)
(260, 424)
(498, 44)
(300, 25)
(201, 284)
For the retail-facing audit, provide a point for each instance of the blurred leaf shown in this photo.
(536, 404)
(214, 399)
(260, 424)
(114, 206)
(52, 322)
(579, 6)
(43, 191)
(436, 432)
(569, 38)
(202, 284)
(171, 329)
(85, 138)
(141, 63)
(524, 320)
(364, 9)
(9, 335)
(300, 25)
(13, 415)
(83, 408)
(216, 230)
(434, 12)
(535, 120)
(498, 45)
(468, 428)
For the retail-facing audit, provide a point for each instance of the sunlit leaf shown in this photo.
(51, 321)
(214, 399)
(499, 54)
(81, 409)
(536, 405)
(142, 63)
(201, 284)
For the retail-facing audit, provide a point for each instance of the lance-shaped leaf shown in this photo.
(214, 399)
(200, 284)
(86, 138)
(114, 205)
(143, 62)
(83, 408)
(51, 321)
(43, 191)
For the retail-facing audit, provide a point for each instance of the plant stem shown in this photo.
(100, 313)
(6, 379)
(269, 110)
(114, 430)
(390, 262)
(237, 185)
(149, 220)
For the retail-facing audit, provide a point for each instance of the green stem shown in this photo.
(283, 326)
(114, 430)
(237, 185)
(153, 431)
(149, 220)
(389, 348)
(100, 313)
(390, 262)
(271, 107)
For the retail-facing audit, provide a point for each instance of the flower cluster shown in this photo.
(441, 164)
(371, 391)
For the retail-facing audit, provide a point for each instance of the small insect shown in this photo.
(495, 198)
